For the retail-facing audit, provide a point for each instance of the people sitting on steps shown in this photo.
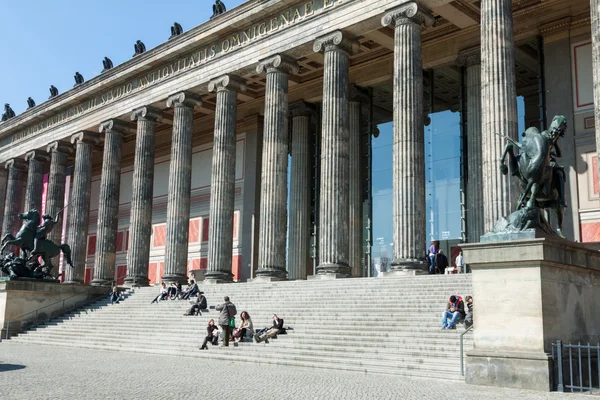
(115, 296)
(178, 291)
(455, 310)
(172, 290)
(192, 290)
(268, 333)
(246, 328)
(212, 335)
(198, 305)
(226, 319)
(162, 295)
(469, 316)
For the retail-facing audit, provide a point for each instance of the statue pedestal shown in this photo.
(25, 302)
(526, 295)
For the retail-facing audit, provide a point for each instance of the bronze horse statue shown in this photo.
(32, 240)
(541, 178)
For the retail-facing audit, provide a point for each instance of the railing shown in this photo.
(565, 355)
(462, 355)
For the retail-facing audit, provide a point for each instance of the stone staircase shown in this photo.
(370, 325)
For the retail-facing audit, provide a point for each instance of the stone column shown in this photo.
(409, 153)
(79, 208)
(37, 160)
(471, 61)
(140, 222)
(499, 104)
(3, 188)
(222, 189)
(57, 179)
(273, 189)
(300, 183)
(180, 186)
(595, 21)
(14, 195)
(108, 203)
(355, 186)
(333, 202)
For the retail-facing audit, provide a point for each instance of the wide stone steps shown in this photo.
(387, 326)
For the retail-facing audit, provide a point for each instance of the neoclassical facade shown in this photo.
(243, 148)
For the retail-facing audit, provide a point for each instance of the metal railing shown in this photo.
(462, 353)
(574, 357)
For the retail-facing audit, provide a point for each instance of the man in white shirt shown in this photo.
(459, 263)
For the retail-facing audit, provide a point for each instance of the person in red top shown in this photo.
(455, 310)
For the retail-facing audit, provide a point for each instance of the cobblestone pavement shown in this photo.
(44, 372)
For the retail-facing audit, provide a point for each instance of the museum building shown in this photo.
(281, 139)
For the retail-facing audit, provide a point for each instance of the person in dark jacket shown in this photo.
(276, 329)
(212, 335)
(455, 310)
(192, 290)
(441, 262)
(199, 305)
(469, 316)
(228, 312)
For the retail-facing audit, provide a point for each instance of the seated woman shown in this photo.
(163, 293)
(172, 291)
(246, 327)
(115, 296)
(212, 335)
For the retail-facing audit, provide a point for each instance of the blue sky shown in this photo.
(46, 42)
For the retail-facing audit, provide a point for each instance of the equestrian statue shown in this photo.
(541, 178)
(33, 243)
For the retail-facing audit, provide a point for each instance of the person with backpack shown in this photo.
(226, 319)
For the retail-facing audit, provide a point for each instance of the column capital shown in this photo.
(85, 137)
(16, 163)
(59, 147)
(302, 109)
(358, 94)
(114, 125)
(408, 13)
(38, 155)
(184, 99)
(468, 58)
(227, 82)
(336, 39)
(278, 62)
(148, 113)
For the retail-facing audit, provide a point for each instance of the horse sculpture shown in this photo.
(32, 241)
(541, 178)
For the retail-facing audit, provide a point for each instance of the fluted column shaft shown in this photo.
(299, 221)
(273, 195)
(57, 179)
(140, 222)
(222, 189)
(180, 187)
(35, 179)
(79, 208)
(333, 202)
(471, 60)
(355, 191)
(499, 104)
(409, 155)
(595, 21)
(14, 195)
(3, 189)
(108, 204)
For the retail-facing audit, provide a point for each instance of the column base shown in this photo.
(266, 279)
(406, 268)
(73, 282)
(342, 270)
(133, 281)
(523, 370)
(328, 276)
(177, 278)
(273, 273)
(101, 282)
(214, 277)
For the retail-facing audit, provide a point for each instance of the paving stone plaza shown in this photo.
(95, 374)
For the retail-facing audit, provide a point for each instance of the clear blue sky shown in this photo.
(46, 42)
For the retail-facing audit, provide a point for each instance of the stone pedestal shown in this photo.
(108, 204)
(409, 153)
(273, 187)
(334, 202)
(222, 189)
(180, 186)
(528, 294)
(37, 161)
(140, 222)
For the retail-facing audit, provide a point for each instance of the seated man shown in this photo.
(115, 296)
(192, 290)
(469, 316)
(265, 334)
(455, 310)
(198, 305)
